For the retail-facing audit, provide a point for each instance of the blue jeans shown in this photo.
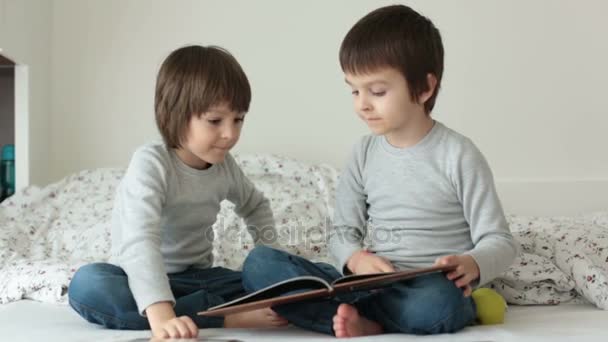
(429, 304)
(100, 293)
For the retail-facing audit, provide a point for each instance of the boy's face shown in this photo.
(382, 100)
(210, 136)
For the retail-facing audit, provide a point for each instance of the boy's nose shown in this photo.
(229, 132)
(363, 104)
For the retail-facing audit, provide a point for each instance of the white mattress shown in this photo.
(35, 321)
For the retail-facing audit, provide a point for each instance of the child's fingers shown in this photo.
(182, 328)
(269, 312)
(171, 331)
(457, 273)
(465, 280)
(275, 317)
(389, 264)
(467, 291)
(375, 268)
(446, 260)
(384, 265)
(280, 321)
(191, 326)
(161, 335)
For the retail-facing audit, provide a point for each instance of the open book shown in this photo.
(309, 287)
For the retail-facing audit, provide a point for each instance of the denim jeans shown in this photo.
(100, 293)
(429, 304)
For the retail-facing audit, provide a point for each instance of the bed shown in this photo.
(557, 288)
(566, 322)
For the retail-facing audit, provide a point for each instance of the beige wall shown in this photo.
(25, 36)
(524, 79)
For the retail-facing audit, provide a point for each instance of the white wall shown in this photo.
(25, 36)
(524, 79)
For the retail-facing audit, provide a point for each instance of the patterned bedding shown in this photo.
(49, 232)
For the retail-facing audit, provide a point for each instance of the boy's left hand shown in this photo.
(466, 270)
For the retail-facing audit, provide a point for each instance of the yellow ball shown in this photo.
(491, 306)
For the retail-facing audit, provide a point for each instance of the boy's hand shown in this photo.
(178, 327)
(466, 270)
(164, 324)
(363, 262)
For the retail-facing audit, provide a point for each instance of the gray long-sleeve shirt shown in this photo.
(163, 215)
(415, 204)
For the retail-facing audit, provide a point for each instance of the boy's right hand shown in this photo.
(165, 324)
(364, 262)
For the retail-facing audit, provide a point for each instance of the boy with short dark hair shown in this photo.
(413, 194)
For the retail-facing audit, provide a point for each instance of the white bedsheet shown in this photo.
(34, 321)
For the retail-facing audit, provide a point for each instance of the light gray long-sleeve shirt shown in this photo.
(413, 205)
(163, 215)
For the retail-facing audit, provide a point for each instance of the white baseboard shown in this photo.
(559, 197)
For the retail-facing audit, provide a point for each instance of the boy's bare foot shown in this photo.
(262, 318)
(348, 323)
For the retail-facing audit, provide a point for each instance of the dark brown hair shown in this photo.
(190, 81)
(398, 37)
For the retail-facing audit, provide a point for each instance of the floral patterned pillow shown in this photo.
(301, 196)
(563, 259)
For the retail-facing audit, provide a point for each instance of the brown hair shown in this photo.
(190, 81)
(398, 37)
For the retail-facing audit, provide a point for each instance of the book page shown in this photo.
(289, 286)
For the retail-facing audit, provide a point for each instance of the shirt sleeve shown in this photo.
(350, 217)
(138, 206)
(494, 246)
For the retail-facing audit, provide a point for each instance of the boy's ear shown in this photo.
(431, 82)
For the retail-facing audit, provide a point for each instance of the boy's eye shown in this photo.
(379, 93)
(214, 121)
(355, 92)
(239, 120)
